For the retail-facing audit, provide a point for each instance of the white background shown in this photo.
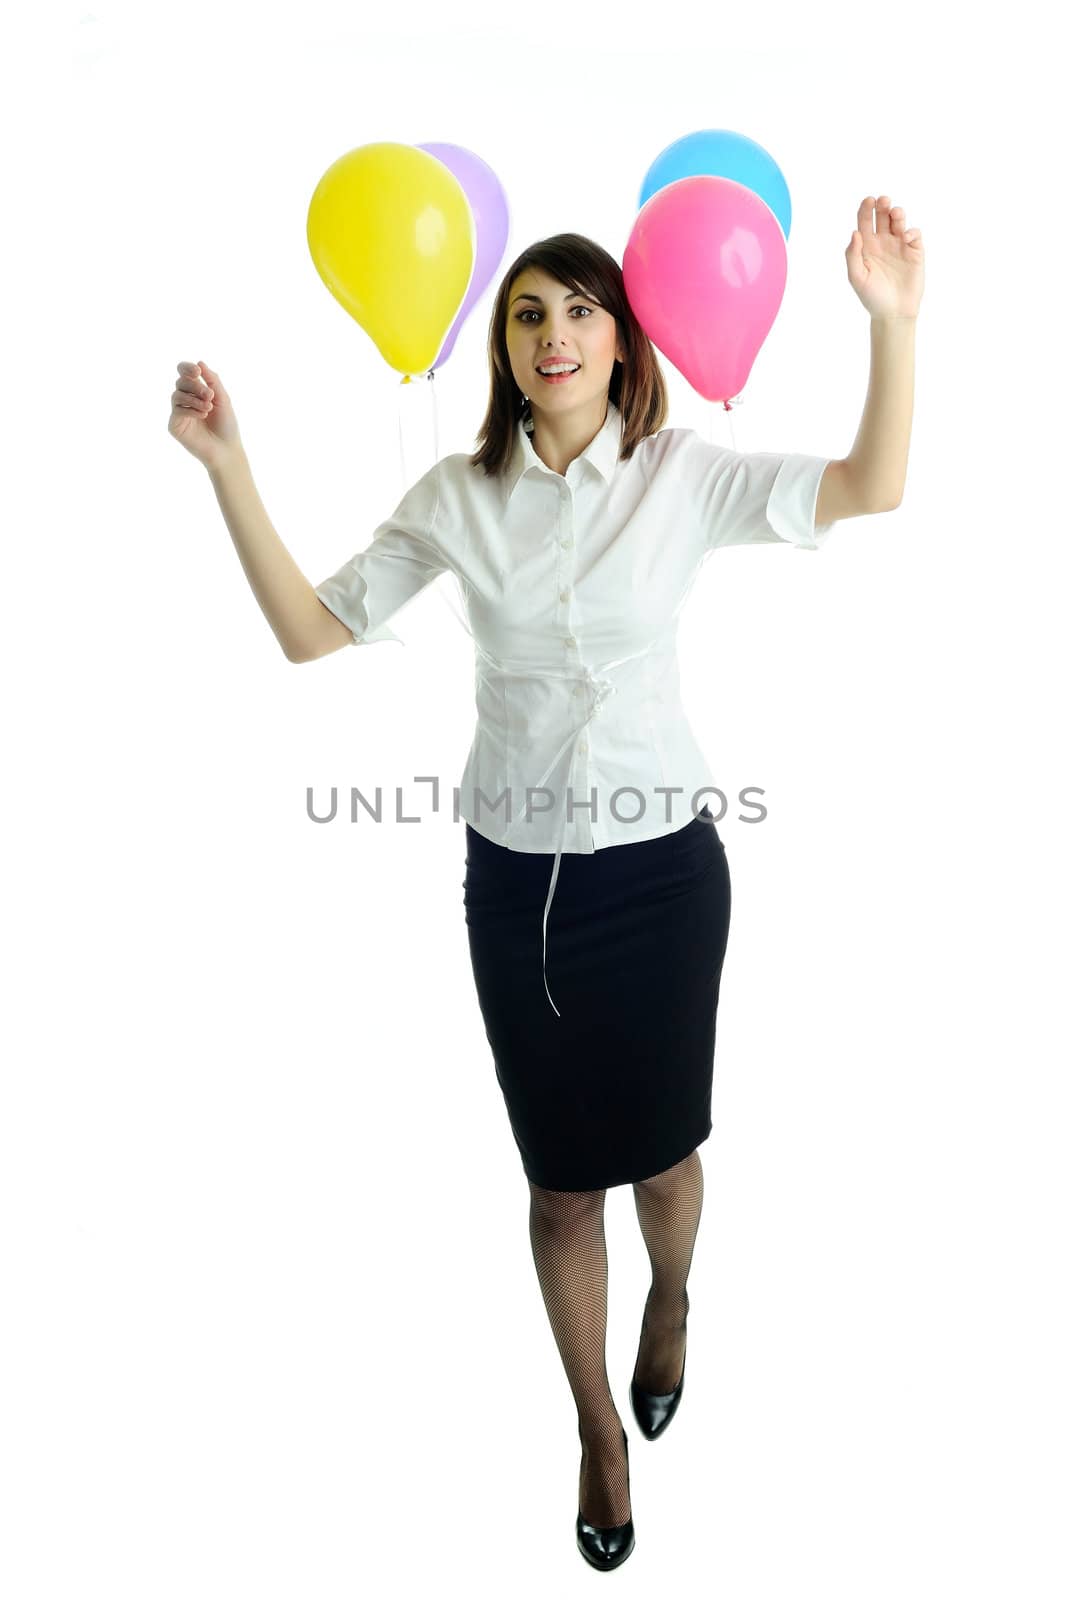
(272, 1323)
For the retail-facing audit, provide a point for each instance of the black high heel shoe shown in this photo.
(606, 1548)
(654, 1412)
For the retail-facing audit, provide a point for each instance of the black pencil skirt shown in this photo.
(618, 1087)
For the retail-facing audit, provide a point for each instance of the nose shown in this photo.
(550, 337)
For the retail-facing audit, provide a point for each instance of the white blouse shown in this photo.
(573, 586)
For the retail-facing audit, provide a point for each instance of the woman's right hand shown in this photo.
(202, 416)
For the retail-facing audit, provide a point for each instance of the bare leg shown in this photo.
(569, 1248)
(668, 1206)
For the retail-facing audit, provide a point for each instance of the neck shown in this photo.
(559, 438)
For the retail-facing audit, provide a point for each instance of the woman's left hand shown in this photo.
(886, 268)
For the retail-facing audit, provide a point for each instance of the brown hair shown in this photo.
(637, 386)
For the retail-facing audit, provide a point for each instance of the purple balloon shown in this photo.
(491, 217)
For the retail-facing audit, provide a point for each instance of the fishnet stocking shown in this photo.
(569, 1248)
(668, 1206)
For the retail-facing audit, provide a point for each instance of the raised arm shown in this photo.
(203, 421)
(885, 266)
(304, 628)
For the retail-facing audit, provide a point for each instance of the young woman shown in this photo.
(576, 532)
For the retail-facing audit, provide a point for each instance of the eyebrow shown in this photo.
(576, 295)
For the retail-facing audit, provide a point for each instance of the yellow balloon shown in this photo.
(392, 235)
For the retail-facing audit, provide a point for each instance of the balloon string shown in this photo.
(429, 376)
(728, 405)
(402, 453)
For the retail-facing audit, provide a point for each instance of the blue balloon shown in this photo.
(719, 153)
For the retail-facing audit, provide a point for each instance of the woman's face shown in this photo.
(547, 321)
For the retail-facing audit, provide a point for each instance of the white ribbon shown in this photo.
(603, 689)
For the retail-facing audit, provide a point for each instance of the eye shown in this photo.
(530, 311)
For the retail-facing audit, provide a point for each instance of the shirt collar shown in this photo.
(602, 452)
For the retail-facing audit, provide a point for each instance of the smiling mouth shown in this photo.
(556, 377)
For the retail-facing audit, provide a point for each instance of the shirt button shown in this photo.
(583, 748)
(571, 643)
(566, 543)
(564, 595)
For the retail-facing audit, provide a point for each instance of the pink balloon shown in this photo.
(704, 270)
